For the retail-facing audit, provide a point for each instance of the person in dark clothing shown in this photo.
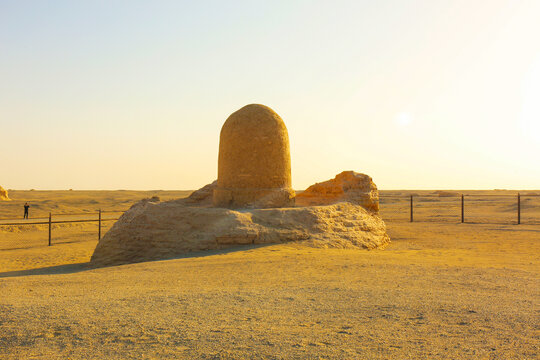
(26, 206)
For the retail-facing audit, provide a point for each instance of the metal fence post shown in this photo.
(50, 225)
(411, 208)
(462, 208)
(99, 225)
(519, 209)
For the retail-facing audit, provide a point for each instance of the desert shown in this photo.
(251, 202)
(439, 290)
(283, 179)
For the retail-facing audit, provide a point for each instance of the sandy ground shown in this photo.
(42, 202)
(439, 291)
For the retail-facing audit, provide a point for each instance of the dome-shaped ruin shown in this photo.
(254, 164)
(254, 174)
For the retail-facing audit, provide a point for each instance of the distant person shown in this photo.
(26, 207)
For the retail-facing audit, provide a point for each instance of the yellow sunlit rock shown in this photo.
(254, 164)
(3, 194)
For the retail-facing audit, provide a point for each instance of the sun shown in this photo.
(403, 118)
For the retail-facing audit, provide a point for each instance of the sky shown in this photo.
(431, 94)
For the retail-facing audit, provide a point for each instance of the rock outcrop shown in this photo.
(153, 230)
(3, 194)
(348, 186)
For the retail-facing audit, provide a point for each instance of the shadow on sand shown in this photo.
(49, 270)
(79, 267)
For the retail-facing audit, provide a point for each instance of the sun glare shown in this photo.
(403, 119)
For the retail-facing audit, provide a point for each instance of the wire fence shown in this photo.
(462, 208)
(58, 227)
(394, 207)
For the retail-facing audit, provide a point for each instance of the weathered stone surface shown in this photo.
(347, 186)
(203, 196)
(158, 230)
(254, 163)
(254, 176)
(3, 194)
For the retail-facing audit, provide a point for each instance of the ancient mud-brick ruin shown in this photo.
(254, 164)
(252, 202)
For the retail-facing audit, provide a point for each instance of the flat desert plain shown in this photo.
(440, 290)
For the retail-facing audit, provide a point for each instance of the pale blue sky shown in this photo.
(132, 94)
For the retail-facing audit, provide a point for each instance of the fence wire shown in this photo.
(454, 208)
(34, 236)
(530, 210)
(394, 207)
(59, 229)
(490, 209)
(441, 206)
(437, 209)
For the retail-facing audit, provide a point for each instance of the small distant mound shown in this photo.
(3, 194)
(442, 193)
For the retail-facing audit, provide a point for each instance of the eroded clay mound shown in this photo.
(153, 230)
(340, 213)
(347, 186)
(3, 194)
